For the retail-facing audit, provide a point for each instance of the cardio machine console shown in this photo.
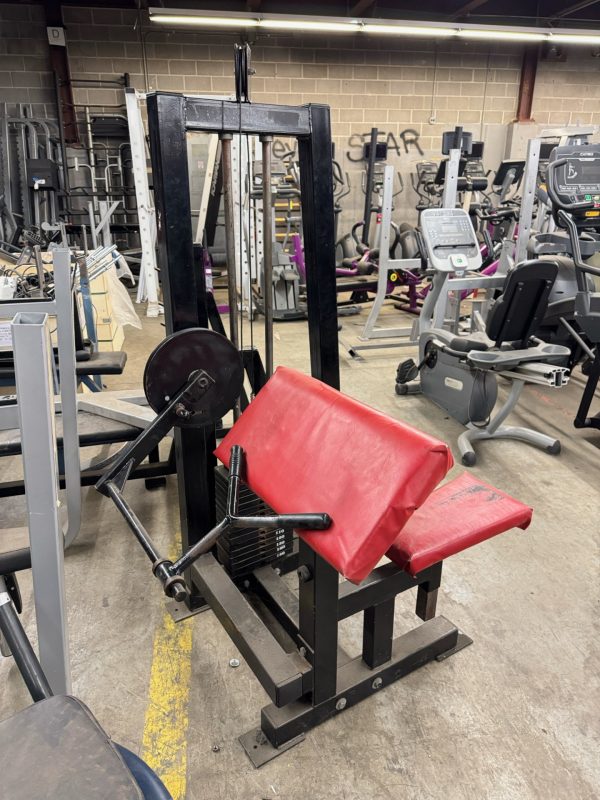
(578, 179)
(450, 240)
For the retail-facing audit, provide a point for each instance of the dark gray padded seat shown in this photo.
(56, 750)
(92, 428)
(102, 362)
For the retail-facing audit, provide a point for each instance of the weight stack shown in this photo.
(243, 550)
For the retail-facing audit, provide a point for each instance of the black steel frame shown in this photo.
(170, 118)
(289, 641)
(583, 418)
(16, 638)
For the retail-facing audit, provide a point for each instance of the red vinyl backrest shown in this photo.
(310, 448)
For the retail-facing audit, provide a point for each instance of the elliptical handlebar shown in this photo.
(498, 214)
(564, 215)
(569, 224)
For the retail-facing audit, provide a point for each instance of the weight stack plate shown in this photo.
(243, 550)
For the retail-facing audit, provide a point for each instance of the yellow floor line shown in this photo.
(164, 745)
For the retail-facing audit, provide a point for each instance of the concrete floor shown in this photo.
(515, 716)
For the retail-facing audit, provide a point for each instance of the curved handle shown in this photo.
(354, 230)
(336, 171)
(569, 224)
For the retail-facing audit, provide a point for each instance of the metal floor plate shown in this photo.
(180, 611)
(462, 642)
(260, 750)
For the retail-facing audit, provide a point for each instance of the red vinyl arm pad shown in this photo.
(310, 448)
(458, 515)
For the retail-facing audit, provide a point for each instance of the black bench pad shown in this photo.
(103, 363)
(93, 430)
(56, 749)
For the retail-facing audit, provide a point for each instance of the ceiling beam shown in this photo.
(359, 8)
(466, 9)
(573, 9)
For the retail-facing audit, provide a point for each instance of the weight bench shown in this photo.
(91, 365)
(370, 481)
(97, 363)
(102, 362)
(56, 748)
(94, 431)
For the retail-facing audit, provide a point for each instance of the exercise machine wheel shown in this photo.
(469, 460)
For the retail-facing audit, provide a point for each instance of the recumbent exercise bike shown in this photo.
(460, 373)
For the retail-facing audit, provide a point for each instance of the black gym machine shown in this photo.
(192, 378)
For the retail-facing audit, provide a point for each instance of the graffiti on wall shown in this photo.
(400, 144)
(408, 139)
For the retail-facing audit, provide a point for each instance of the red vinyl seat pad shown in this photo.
(463, 512)
(310, 448)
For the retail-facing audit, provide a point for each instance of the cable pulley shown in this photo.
(241, 59)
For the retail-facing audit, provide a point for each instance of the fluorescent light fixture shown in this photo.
(316, 24)
(501, 34)
(303, 24)
(572, 38)
(408, 30)
(216, 22)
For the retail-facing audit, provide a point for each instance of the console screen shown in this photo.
(577, 173)
(450, 227)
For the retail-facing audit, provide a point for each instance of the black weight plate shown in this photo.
(178, 356)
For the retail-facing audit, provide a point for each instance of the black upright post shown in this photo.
(319, 246)
(583, 420)
(184, 294)
(318, 620)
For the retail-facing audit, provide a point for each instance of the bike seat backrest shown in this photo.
(520, 309)
(410, 244)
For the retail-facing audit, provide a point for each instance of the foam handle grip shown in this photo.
(313, 522)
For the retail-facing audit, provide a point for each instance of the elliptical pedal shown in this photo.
(407, 371)
(406, 375)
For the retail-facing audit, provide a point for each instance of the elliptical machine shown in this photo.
(574, 190)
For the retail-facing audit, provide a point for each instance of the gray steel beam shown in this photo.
(33, 377)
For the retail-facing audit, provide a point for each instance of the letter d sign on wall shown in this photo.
(56, 37)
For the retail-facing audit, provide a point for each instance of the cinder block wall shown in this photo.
(411, 91)
(408, 90)
(25, 75)
(568, 92)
